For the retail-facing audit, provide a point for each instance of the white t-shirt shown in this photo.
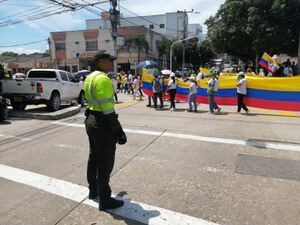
(130, 79)
(171, 84)
(136, 84)
(200, 76)
(114, 81)
(211, 82)
(242, 88)
(193, 88)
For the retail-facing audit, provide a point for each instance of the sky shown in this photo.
(39, 30)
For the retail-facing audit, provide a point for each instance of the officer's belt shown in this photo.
(94, 113)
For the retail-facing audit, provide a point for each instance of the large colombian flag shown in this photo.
(268, 63)
(262, 92)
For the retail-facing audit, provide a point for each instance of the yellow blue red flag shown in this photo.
(268, 63)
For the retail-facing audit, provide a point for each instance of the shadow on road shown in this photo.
(131, 213)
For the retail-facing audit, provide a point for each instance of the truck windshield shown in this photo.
(42, 74)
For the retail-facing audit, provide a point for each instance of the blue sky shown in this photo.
(30, 31)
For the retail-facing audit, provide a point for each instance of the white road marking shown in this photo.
(66, 146)
(257, 144)
(137, 211)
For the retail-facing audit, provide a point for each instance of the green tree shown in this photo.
(138, 43)
(247, 28)
(9, 54)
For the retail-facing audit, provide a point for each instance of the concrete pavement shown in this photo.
(192, 177)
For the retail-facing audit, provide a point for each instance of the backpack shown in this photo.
(157, 86)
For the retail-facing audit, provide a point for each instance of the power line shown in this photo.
(135, 24)
(28, 43)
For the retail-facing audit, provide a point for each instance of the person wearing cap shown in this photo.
(104, 131)
(192, 97)
(241, 91)
(171, 89)
(213, 85)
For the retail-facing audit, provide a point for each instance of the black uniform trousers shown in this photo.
(155, 96)
(241, 104)
(102, 154)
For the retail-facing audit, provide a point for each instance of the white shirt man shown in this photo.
(242, 86)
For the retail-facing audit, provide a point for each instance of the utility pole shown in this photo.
(184, 33)
(114, 19)
(50, 52)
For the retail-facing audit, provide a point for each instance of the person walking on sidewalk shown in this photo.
(171, 89)
(192, 96)
(104, 131)
(136, 86)
(157, 90)
(241, 91)
(213, 85)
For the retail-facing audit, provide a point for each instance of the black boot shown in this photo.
(93, 194)
(110, 203)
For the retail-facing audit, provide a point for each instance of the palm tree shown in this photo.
(138, 43)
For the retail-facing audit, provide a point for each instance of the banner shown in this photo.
(274, 93)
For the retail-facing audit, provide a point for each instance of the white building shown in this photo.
(70, 50)
(170, 25)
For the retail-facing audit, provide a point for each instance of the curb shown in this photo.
(60, 114)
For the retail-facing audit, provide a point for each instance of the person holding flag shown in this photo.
(268, 63)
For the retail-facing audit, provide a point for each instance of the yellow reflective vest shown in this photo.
(99, 93)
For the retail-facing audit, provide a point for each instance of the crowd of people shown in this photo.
(132, 85)
(127, 83)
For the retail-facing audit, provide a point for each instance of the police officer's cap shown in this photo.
(104, 55)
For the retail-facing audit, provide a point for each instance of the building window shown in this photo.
(60, 46)
(162, 25)
(91, 46)
(106, 41)
(151, 26)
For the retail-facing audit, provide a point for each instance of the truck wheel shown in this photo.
(81, 99)
(17, 106)
(54, 103)
(3, 114)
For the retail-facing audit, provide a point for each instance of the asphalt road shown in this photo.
(177, 168)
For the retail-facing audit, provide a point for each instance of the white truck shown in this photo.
(43, 86)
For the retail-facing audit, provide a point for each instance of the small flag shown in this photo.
(204, 71)
(268, 63)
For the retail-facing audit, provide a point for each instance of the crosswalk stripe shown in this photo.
(136, 211)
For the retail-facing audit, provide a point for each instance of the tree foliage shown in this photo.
(138, 43)
(195, 53)
(244, 28)
(9, 54)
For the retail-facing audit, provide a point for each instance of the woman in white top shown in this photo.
(172, 90)
(136, 86)
(192, 97)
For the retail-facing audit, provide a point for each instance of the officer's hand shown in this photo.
(122, 139)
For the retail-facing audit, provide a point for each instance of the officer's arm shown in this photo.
(116, 126)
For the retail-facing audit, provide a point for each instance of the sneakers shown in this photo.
(110, 203)
(219, 110)
(93, 194)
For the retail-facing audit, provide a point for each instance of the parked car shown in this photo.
(82, 74)
(43, 86)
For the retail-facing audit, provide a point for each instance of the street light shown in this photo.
(173, 44)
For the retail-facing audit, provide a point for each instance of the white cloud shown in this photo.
(20, 50)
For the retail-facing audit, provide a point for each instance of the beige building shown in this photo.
(73, 50)
(23, 63)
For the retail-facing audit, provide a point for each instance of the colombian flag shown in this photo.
(268, 63)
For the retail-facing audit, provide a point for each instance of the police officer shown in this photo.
(104, 131)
